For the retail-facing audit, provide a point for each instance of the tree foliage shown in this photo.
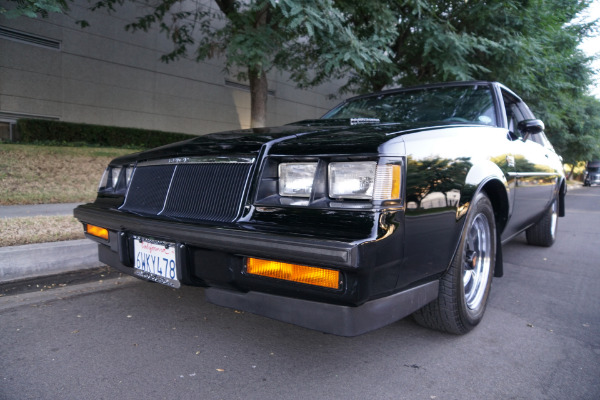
(34, 8)
(530, 45)
(310, 39)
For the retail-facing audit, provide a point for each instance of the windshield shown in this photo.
(462, 104)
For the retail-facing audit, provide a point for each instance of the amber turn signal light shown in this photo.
(292, 272)
(96, 231)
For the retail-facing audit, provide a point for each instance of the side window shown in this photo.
(539, 138)
(517, 111)
(514, 114)
(542, 140)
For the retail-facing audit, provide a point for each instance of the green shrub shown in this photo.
(68, 133)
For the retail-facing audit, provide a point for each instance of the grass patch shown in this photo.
(41, 229)
(52, 174)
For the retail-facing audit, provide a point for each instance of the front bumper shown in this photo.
(259, 244)
(214, 257)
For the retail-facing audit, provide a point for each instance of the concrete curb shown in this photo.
(34, 260)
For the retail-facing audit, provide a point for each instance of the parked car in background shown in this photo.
(394, 203)
(591, 176)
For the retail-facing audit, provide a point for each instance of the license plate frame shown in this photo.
(156, 260)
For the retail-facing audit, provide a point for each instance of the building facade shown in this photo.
(51, 68)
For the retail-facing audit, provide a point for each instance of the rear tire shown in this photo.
(465, 287)
(543, 233)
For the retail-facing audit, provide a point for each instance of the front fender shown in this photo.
(434, 225)
(483, 172)
(489, 177)
(441, 181)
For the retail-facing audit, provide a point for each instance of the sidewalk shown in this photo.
(37, 210)
(41, 259)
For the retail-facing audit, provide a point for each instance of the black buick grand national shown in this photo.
(393, 203)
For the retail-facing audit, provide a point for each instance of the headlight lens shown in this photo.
(352, 180)
(364, 181)
(128, 173)
(296, 179)
(114, 175)
(104, 180)
(116, 179)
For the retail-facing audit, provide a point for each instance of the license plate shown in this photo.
(155, 260)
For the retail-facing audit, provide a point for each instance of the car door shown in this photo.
(534, 173)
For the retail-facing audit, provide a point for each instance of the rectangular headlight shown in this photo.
(352, 180)
(128, 173)
(116, 179)
(104, 180)
(364, 180)
(115, 172)
(296, 179)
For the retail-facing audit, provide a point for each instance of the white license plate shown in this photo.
(156, 261)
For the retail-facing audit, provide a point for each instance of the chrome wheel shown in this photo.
(465, 287)
(477, 262)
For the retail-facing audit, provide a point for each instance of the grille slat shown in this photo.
(148, 189)
(198, 192)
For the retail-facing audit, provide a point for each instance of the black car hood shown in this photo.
(300, 138)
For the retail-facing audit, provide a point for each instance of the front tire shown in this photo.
(465, 287)
(543, 233)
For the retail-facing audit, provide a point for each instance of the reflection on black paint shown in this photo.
(435, 182)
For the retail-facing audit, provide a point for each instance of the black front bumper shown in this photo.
(258, 244)
(214, 257)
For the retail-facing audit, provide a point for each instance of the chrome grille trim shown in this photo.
(199, 160)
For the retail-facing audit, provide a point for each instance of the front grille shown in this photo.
(201, 191)
(148, 189)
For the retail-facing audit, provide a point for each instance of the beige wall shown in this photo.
(105, 75)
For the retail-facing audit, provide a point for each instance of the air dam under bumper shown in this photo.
(328, 318)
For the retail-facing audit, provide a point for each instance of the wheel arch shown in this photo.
(490, 179)
(498, 195)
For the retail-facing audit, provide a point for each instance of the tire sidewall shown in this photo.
(480, 205)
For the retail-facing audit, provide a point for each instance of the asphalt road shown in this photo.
(105, 337)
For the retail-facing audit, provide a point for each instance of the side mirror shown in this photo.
(529, 127)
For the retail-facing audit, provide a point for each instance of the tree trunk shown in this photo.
(571, 171)
(258, 79)
(258, 98)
